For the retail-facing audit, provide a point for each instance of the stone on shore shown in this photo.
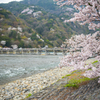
(19, 89)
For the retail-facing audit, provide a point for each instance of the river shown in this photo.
(13, 67)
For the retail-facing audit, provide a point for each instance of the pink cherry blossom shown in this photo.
(89, 11)
(84, 47)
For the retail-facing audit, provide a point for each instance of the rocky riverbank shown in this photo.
(19, 89)
(57, 91)
(89, 90)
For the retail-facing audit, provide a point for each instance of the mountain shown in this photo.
(47, 5)
(42, 23)
(13, 30)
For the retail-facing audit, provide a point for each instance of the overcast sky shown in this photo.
(6, 1)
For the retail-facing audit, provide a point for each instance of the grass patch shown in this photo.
(95, 62)
(28, 95)
(70, 74)
(75, 79)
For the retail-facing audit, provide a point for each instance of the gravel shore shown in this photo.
(19, 89)
(57, 91)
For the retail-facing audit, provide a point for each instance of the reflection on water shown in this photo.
(13, 67)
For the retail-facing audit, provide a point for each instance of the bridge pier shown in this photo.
(45, 52)
(20, 51)
(14, 52)
(64, 52)
(1, 51)
(32, 51)
(55, 52)
(8, 52)
(38, 52)
(29, 52)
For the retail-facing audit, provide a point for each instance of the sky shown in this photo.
(7, 1)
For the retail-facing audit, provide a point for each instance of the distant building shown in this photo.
(46, 46)
(14, 46)
(3, 42)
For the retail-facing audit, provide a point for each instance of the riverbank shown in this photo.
(58, 91)
(19, 89)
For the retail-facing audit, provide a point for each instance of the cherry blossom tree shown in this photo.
(89, 11)
(83, 47)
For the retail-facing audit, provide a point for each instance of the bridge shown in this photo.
(35, 51)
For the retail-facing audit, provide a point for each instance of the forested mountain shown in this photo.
(13, 30)
(41, 23)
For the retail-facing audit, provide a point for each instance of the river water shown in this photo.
(13, 67)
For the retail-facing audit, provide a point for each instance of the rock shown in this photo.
(16, 97)
(9, 98)
(98, 97)
(26, 90)
(1, 98)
